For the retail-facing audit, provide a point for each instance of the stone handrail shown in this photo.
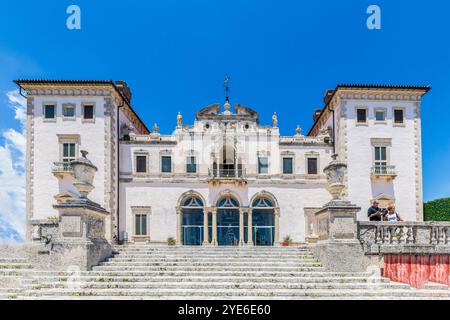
(404, 237)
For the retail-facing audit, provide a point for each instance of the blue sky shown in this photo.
(281, 56)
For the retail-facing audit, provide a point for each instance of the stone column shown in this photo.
(205, 226)
(250, 227)
(276, 232)
(179, 224)
(241, 226)
(214, 227)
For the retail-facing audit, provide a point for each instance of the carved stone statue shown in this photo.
(298, 131)
(179, 120)
(275, 120)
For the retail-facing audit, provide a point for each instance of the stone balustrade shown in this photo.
(404, 237)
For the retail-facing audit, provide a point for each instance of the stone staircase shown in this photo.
(11, 276)
(152, 272)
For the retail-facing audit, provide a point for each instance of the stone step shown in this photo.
(164, 279)
(213, 256)
(219, 293)
(247, 298)
(15, 265)
(14, 260)
(182, 273)
(210, 259)
(125, 286)
(217, 264)
(247, 268)
(208, 247)
(434, 286)
(215, 250)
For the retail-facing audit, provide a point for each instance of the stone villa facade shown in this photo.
(226, 179)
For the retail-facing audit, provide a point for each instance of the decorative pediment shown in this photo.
(211, 110)
(246, 111)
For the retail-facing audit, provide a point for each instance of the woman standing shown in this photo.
(391, 214)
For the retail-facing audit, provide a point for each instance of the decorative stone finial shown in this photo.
(179, 120)
(84, 172)
(227, 107)
(155, 128)
(298, 131)
(275, 120)
(335, 173)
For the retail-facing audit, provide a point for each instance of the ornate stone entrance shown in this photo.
(228, 223)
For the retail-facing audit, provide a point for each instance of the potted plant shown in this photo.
(171, 241)
(286, 241)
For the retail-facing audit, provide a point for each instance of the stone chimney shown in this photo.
(316, 114)
(327, 96)
(122, 86)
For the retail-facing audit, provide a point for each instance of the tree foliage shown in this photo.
(437, 210)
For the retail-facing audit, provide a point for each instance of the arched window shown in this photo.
(192, 201)
(262, 203)
(191, 232)
(263, 220)
(228, 202)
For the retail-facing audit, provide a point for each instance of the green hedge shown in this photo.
(437, 210)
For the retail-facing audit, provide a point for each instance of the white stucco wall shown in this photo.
(47, 150)
(402, 154)
(162, 200)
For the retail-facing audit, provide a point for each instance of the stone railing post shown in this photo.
(338, 247)
(81, 230)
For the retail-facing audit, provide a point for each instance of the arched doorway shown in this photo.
(192, 221)
(263, 221)
(228, 221)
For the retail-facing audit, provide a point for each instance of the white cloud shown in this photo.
(12, 173)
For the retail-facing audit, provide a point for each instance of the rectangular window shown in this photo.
(398, 116)
(361, 115)
(380, 115)
(49, 111)
(68, 152)
(312, 166)
(288, 165)
(88, 112)
(141, 164)
(166, 164)
(141, 224)
(263, 165)
(191, 165)
(68, 111)
(380, 156)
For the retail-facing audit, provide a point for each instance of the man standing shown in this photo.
(375, 213)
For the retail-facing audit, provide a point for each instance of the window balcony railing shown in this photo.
(60, 169)
(384, 170)
(227, 173)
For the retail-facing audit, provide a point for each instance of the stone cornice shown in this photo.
(88, 89)
(367, 94)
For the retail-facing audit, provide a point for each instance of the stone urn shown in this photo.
(84, 172)
(335, 172)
